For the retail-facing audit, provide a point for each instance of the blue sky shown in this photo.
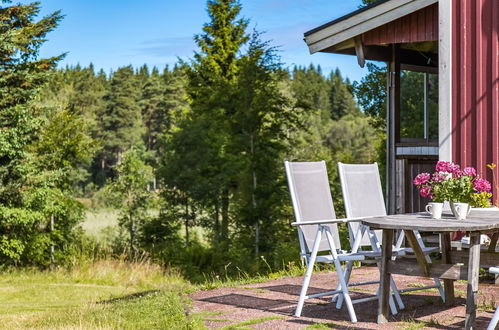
(114, 33)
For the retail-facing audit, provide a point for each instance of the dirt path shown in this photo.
(271, 305)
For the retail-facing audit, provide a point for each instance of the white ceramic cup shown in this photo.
(461, 210)
(435, 210)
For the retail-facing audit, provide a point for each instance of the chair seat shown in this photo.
(426, 250)
(341, 257)
(363, 255)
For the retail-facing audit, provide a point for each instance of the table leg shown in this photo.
(472, 291)
(448, 284)
(418, 252)
(386, 256)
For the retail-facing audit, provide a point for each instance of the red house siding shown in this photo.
(421, 25)
(475, 78)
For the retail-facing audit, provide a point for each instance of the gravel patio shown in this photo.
(271, 305)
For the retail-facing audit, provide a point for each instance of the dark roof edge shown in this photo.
(342, 18)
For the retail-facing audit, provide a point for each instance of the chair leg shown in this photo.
(308, 273)
(494, 321)
(440, 289)
(341, 278)
(349, 265)
(393, 308)
(339, 297)
(396, 293)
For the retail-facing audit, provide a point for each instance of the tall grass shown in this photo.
(107, 294)
(99, 222)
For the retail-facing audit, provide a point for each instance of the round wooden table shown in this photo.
(477, 222)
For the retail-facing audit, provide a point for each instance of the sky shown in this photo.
(114, 33)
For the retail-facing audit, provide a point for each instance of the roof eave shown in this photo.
(339, 32)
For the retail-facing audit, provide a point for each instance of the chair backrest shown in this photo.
(362, 194)
(311, 197)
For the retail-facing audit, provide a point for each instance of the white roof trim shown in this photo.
(362, 22)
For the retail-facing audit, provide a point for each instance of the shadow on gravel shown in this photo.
(417, 306)
(245, 301)
(292, 289)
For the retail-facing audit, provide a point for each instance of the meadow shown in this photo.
(106, 294)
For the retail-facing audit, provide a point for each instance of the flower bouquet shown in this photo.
(450, 183)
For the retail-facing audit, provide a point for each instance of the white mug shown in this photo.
(435, 209)
(461, 210)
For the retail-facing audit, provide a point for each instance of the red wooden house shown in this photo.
(450, 48)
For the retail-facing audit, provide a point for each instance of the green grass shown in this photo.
(242, 325)
(98, 222)
(322, 326)
(103, 295)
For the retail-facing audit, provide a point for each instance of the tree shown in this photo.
(122, 124)
(263, 116)
(311, 90)
(81, 91)
(63, 147)
(210, 76)
(151, 104)
(341, 99)
(367, 2)
(133, 177)
(371, 94)
(23, 236)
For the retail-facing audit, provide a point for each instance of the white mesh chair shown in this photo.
(495, 318)
(317, 230)
(363, 196)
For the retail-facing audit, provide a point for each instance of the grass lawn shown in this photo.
(104, 295)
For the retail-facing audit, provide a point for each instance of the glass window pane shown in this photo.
(412, 104)
(433, 106)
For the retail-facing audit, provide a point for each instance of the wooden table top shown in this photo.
(476, 221)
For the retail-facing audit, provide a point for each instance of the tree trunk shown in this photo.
(224, 232)
(52, 248)
(217, 223)
(186, 222)
(132, 236)
(253, 198)
(149, 136)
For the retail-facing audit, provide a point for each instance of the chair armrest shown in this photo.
(329, 221)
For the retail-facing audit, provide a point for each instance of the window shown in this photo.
(418, 106)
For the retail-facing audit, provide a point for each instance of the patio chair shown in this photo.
(363, 196)
(495, 318)
(318, 231)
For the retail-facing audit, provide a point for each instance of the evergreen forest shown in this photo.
(190, 157)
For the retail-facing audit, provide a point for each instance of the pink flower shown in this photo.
(482, 185)
(421, 179)
(470, 171)
(425, 191)
(443, 166)
(455, 169)
(437, 177)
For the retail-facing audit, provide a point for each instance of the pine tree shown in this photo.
(311, 90)
(341, 99)
(260, 124)
(151, 104)
(122, 124)
(210, 75)
(34, 184)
